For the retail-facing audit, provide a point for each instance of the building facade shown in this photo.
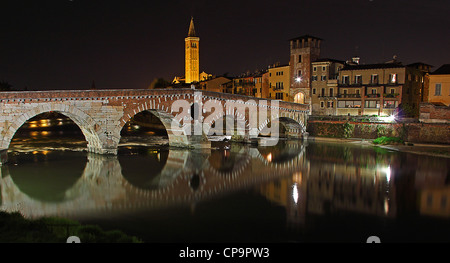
(324, 86)
(279, 82)
(303, 51)
(439, 87)
(379, 89)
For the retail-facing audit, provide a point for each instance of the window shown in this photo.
(392, 78)
(279, 96)
(321, 104)
(331, 92)
(323, 92)
(349, 104)
(345, 79)
(314, 69)
(437, 89)
(299, 73)
(374, 79)
(358, 79)
(314, 91)
(357, 92)
(324, 68)
(345, 92)
(323, 78)
(299, 58)
(392, 91)
(372, 104)
(374, 91)
(314, 78)
(330, 104)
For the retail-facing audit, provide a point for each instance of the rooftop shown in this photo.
(373, 66)
(305, 37)
(329, 60)
(442, 70)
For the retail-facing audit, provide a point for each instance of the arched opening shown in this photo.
(133, 165)
(299, 98)
(143, 129)
(45, 176)
(281, 153)
(46, 132)
(288, 128)
(229, 159)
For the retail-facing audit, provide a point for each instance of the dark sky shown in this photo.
(126, 44)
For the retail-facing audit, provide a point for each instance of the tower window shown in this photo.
(299, 58)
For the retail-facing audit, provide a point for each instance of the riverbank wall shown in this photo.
(414, 132)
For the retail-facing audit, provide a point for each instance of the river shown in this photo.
(293, 192)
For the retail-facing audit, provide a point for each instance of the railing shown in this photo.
(356, 96)
(390, 95)
(373, 95)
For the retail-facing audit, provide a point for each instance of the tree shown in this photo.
(5, 86)
(159, 83)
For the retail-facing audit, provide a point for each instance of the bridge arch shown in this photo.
(177, 131)
(292, 127)
(87, 125)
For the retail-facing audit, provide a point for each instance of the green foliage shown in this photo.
(16, 229)
(388, 140)
(348, 129)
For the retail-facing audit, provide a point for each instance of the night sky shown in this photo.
(126, 44)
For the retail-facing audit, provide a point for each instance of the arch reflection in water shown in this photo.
(187, 177)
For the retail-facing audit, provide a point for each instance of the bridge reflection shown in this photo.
(109, 184)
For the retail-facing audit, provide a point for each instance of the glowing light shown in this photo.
(390, 118)
(45, 133)
(386, 206)
(269, 157)
(298, 79)
(387, 171)
(295, 193)
(33, 125)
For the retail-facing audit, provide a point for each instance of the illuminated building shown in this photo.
(439, 88)
(192, 47)
(303, 51)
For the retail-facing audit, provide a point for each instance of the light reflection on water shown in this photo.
(301, 192)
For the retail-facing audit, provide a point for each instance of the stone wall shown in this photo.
(411, 132)
(432, 113)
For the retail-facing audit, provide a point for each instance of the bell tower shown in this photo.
(192, 73)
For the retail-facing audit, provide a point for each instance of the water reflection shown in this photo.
(158, 178)
(326, 191)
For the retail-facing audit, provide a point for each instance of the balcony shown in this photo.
(352, 96)
(373, 96)
(391, 95)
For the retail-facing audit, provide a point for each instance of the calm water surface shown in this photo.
(294, 192)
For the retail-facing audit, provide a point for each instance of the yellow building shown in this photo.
(192, 73)
(279, 82)
(439, 89)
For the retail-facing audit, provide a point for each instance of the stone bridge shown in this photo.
(188, 177)
(101, 114)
